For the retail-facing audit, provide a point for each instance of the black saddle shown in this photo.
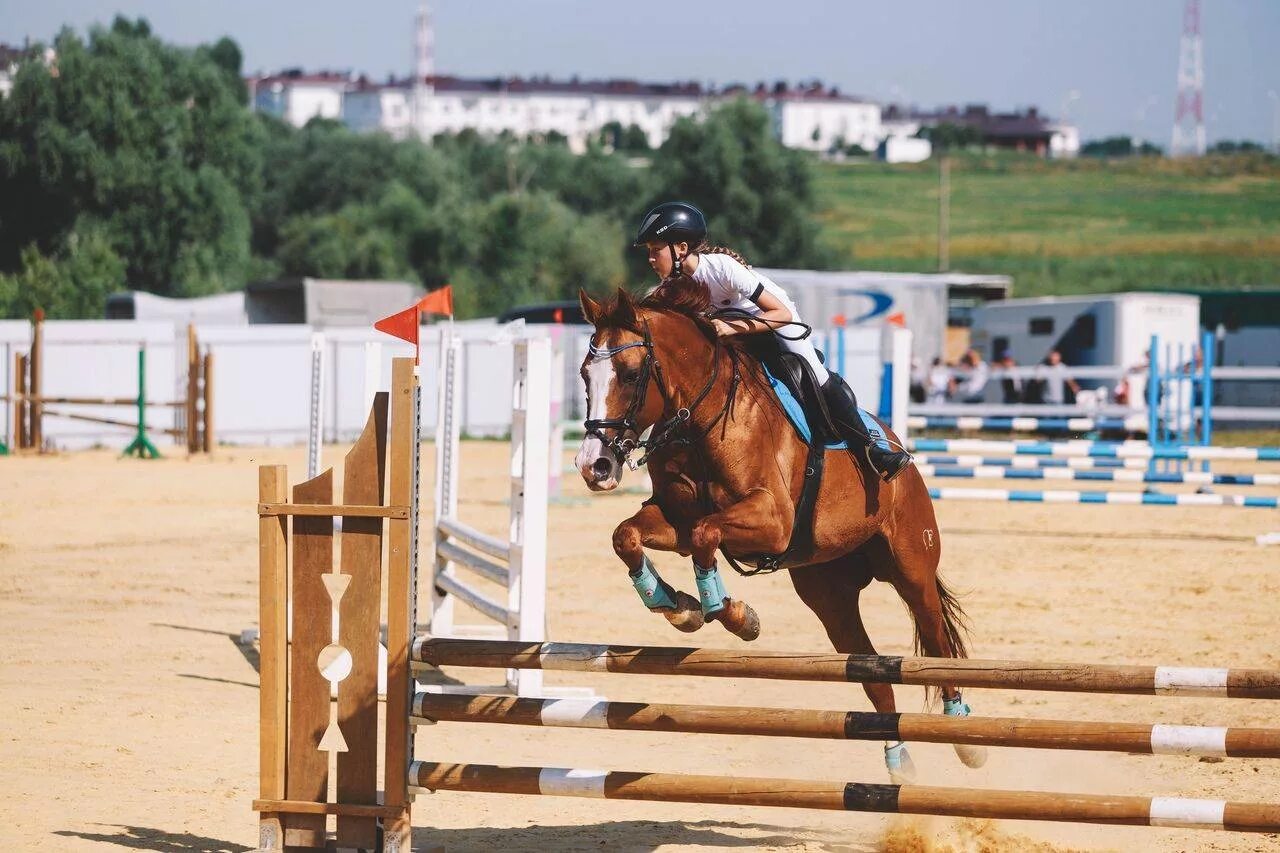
(795, 373)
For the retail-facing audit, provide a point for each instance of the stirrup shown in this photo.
(891, 463)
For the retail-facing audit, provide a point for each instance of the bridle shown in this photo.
(666, 432)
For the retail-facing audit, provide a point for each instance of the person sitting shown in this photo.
(972, 388)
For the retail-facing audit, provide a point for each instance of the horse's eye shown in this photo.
(631, 377)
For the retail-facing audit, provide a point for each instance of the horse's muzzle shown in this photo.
(600, 470)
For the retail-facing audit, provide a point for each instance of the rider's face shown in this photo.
(660, 256)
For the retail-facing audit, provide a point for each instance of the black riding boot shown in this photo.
(843, 406)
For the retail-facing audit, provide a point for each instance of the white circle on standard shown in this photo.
(335, 662)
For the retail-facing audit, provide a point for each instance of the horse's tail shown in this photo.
(954, 622)
(956, 625)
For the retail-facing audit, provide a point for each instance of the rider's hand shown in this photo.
(723, 329)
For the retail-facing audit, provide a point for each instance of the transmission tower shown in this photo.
(1188, 121)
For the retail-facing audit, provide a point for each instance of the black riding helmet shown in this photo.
(673, 222)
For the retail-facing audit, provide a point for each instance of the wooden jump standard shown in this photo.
(848, 796)
(337, 626)
(848, 725)
(737, 663)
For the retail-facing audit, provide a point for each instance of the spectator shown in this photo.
(1010, 385)
(919, 379)
(972, 389)
(938, 382)
(1056, 381)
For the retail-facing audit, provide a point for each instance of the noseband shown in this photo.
(666, 432)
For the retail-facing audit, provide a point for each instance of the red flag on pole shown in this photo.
(403, 325)
(438, 301)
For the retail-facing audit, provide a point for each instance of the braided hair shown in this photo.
(705, 248)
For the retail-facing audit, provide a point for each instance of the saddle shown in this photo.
(817, 430)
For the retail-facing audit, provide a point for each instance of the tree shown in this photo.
(757, 194)
(74, 283)
(946, 136)
(147, 144)
(1230, 146)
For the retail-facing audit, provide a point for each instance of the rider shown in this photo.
(675, 235)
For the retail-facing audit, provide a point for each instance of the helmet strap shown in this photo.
(677, 261)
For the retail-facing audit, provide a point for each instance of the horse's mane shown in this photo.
(679, 295)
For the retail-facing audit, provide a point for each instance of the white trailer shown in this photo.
(925, 303)
(1105, 329)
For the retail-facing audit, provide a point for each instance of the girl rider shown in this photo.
(675, 234)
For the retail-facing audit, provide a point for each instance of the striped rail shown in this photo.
(1095, 449)
(1114, 475)
(848, 725)
(1067, 496)
(1079, 462)
(1133, 423)
(867, 669)
(848, 796)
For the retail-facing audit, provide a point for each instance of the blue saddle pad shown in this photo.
(795, 413)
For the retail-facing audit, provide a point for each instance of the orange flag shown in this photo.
(403, 325)
(438, 301)
(897, 319)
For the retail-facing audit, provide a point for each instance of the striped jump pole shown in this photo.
(861, 669)
(1113, 475)
(847, 796)
(1133, 423)
(1068, 496)
(1113, 450)
(1078, 462)
(848, 725)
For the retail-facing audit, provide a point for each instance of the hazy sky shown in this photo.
(1120, 56)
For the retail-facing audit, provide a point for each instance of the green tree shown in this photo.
(74, 283)
(148, 142)
(533, 248)
(946, 136)
(757, 194)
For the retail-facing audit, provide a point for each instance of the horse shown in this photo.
(728, 470)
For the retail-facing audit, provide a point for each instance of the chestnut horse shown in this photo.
(728, 469)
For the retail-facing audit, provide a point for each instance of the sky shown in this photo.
(1109, 66)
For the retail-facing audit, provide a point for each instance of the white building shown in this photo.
(427, 104)
(297, 97)
(1064, 141)
(820, 119)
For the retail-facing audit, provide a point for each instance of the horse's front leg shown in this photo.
(649, 527)
(754, 525)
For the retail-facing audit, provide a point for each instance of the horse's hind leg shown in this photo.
(911, 564)
(831, 591)
(649, 527)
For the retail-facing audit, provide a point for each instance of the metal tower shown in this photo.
(423, 69)
(1188, 121)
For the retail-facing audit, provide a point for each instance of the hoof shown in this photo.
(972, 756)
(739, 618)
(902, 770)
(686, 616)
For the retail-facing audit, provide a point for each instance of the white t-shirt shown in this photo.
(734, 286)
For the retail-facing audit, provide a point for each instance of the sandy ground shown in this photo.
(130, 712)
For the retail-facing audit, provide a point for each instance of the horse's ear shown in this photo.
(626, 310)
(590, 308)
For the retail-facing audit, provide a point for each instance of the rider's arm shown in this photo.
(772, 309)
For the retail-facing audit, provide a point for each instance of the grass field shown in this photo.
(1064, 226)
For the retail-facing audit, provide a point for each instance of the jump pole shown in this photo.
(431, 708)
(847, 796)
(864, 669)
